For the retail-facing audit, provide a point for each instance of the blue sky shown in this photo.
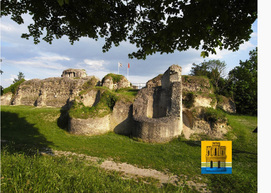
(49, 60)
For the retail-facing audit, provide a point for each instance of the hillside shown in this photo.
(27, 130)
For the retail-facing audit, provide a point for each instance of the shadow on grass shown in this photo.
(236, 151)
(63, 120)
(17, 135)
(193, 143)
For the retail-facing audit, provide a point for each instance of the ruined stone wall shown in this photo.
(48, 92)
(120, 121)
(109, 82)
(156, 115)
(196, 84)
(158, 110)
(91, 126)
(74, 73)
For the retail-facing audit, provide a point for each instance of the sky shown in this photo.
(49, 60)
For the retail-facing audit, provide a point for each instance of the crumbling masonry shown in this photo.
(158, 110)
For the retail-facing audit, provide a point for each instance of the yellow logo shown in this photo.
(216, 157)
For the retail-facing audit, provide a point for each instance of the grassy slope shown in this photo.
(38, 127)
(23, 173)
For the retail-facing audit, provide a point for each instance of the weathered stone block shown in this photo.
(115, 81)
(121, 121)
(158, 129)
(91, 126)
(6, 99)
(158, 110)
(74, 73)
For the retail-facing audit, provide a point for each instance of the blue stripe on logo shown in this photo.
(216, 170)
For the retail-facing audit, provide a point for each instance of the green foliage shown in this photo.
(20, 77)
(106, 103)
(244, 85)
(115, 77)
(163, 26)
(31, 127)
(13, 87)
(188, 99)
(213, 115)
(213, 69)
(127, 94)
(101, 109)
(90, 83)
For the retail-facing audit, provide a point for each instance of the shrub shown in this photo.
(213, 116)
(188, 99)
(115, 77)
(13, 87)
(103, 107)
(90, 83)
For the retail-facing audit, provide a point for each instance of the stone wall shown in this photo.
(196, 84)
(109, 82)
(6, 98)
(156, 115)
(74, 73)
(194, 125)
(91, 126)
(48, 92)
(158, 110)
(120, 121)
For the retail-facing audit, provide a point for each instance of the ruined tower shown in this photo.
(74, 73)
(158, 110)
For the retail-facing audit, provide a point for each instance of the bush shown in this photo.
(188, 99)
(213, 116)
(115, 77)
(103, 107)
(13, 88)
(90, 83)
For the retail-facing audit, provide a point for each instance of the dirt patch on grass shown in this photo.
(132, 171)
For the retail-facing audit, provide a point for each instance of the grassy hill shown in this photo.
(26, 130)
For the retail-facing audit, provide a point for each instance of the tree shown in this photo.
(200, 70)
(1, 88)
(161, 26)
(20, 77)
(244, 79)
(213, 69)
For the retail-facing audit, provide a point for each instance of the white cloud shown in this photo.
(186, 69)
(247, 46)
(8, 81)
(37, 64)
(7, 27)
(220, 54)
(94, 63)
(46, 61)
(53, 58)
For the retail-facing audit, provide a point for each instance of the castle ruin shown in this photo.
(74, 73)
(157, 114)
(158, 110)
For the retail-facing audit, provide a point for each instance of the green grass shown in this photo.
(24, 173)
(244, 158)
(30, 127)
(115, 77)
(105, 104)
